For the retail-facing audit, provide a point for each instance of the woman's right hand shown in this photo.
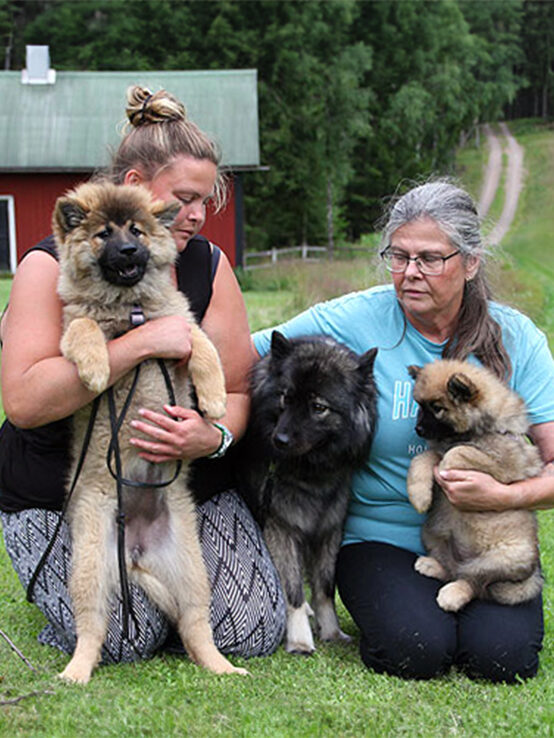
(166, 338)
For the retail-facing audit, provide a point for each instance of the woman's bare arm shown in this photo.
(38, 384)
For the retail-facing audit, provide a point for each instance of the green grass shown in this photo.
(530, 243)
(331, 693)
(275, 294)
(328, 694)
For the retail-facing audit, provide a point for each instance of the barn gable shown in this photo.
(55, 133)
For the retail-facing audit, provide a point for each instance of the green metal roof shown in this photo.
(73, 124)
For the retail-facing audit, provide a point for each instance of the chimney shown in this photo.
(38, 70)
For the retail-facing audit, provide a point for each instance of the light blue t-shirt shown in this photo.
(379, 508)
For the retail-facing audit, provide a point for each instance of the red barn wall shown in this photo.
(220, 227)
(35, 195)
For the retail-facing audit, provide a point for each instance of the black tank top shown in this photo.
(34, 463)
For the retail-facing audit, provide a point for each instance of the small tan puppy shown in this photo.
(116, 253)
(473, 421)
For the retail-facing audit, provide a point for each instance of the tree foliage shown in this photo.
(537, 65)
(354, 96)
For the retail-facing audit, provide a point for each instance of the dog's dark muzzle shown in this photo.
(124, 264)
(423, 422)
(281, 441)
(429, 427)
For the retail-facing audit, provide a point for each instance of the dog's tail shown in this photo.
(512, 593)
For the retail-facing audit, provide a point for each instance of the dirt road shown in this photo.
(498, 143)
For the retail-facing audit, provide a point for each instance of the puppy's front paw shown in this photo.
(95, 377)
(420, 495)
(328, 626)
(213, 406)
(84, 344)
(430, 567)
(455, 595)
(230, 669)
(299, 648)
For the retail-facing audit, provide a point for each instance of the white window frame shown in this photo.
(11, 231)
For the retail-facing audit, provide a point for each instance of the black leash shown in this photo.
(116, 421)
(84, 449)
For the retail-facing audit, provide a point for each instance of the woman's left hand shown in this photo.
(179, 433)
(475, 491)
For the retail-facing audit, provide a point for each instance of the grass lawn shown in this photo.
(331, 693)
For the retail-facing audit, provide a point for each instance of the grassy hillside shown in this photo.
(530, 243)
(523, 269)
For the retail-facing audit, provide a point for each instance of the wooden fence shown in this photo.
(263, 259)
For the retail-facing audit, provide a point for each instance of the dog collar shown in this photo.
(226, 440)
(136, 316)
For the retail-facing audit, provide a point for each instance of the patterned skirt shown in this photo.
(247, 611)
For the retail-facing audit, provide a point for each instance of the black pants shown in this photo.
(405, 633)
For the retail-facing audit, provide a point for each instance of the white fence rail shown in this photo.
(263, 259)
(268, 258)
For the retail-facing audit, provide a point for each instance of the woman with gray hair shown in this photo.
(438, 306)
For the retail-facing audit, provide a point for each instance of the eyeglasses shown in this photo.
(427, 263)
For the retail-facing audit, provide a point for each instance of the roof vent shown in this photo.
(38, 70)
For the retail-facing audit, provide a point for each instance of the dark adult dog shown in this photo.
(313, 417)
(473, 421)
(116, 255)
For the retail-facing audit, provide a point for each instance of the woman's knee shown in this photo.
(508, 667)
(403, 632)
(409, 655)
(500, 643)
(248, 612)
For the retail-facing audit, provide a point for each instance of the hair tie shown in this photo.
(143, 107)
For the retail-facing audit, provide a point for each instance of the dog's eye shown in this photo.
(436, 408)
(284, 400)
(319, 408)
(105, 233)
(135, 230)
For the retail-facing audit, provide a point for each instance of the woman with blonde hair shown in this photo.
(167, 153)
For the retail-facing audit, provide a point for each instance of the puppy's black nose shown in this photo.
(128, 249)
(281, 440)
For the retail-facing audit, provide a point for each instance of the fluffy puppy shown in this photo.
(313, 418)
(472, 420)
(116, 254)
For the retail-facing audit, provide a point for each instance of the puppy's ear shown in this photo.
(280, 346)
(68, 214)
(414, 370)
(165, 213)
(367, 361)
(461, 388)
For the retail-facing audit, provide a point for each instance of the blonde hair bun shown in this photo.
(157, 131)
(145, 107)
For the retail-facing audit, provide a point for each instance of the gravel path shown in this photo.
(512, 183)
